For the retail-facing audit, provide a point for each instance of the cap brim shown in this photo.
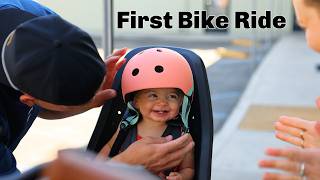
(10, 18)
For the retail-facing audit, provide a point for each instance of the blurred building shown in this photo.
(89, 14)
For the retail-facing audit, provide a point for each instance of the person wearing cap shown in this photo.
(49, 68)
(10, 106)
(52, 69)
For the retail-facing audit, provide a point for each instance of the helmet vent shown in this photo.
(159, 50)
(158, 69)
(135, 72)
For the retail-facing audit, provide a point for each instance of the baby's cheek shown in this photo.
(176, 113)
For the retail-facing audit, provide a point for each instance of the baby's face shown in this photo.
(160, 104)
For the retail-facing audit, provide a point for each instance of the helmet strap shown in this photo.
(185, 110)
(130, 117)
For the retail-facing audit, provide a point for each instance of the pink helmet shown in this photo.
(157, 68)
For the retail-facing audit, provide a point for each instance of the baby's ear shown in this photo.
(135, 103)
(27, 99)
(181, 99)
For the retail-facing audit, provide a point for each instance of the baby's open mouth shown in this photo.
(161, 111)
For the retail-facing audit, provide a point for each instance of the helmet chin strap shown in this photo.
(129, 118)
(185, 110)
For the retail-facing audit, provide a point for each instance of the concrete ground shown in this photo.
(287, 77)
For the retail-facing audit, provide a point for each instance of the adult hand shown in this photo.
(72, 164)
(298, 131)
(157, 154)
(113, 64)
(290, 161)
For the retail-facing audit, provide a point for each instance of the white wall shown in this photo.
(89, 14)
(277, 8)
(159, 8)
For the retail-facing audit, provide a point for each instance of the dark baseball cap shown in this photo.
(10, 18)
(51, 60)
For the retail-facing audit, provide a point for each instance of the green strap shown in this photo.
(131, 119)
(185, 110)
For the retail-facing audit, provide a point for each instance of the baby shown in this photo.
(157, 85)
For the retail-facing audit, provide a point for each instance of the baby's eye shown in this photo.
(152, 96)
(173, 96)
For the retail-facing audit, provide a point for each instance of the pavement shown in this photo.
(286, 77)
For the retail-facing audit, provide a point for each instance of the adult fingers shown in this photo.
(175, 158)
(112, 60)
(288, 129)
(277, 176)
(181, 152)
(173, 176)
(173, 173)
(173, 151)
(119, 64)
(295, 122)
(120, 52)
(178, 143)
(281, 164)
(102, 96)
(293, 154)
(113, 64)
(290, 139)
(157, 140)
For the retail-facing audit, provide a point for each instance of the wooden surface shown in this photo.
(261, 117)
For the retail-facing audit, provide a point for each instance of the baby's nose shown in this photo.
(162, 101)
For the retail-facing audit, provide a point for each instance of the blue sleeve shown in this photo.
(36, 8)
(27, 5)
(7, 161)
